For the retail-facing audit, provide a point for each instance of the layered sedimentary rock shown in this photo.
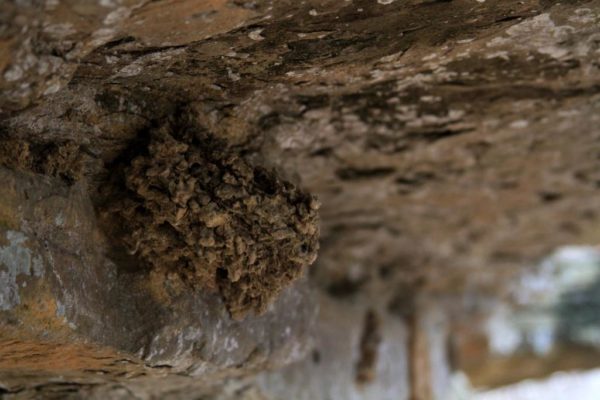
(451, 144)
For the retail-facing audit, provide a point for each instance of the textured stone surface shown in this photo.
(451, 143)
(66, 306)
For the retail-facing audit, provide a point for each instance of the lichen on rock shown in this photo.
(197, 208)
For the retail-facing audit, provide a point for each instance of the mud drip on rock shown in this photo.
(204, 212)
(369, 348)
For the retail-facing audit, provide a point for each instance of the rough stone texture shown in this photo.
(451, 144)
(72, 316)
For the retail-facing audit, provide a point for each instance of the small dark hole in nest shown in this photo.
(304, 248)
(222, 274)
(264, 182)
(195, 169)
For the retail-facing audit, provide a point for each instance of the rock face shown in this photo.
(67, 307)
(451, 144)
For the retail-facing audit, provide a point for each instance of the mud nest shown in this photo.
(60, 159)
(199, 209)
